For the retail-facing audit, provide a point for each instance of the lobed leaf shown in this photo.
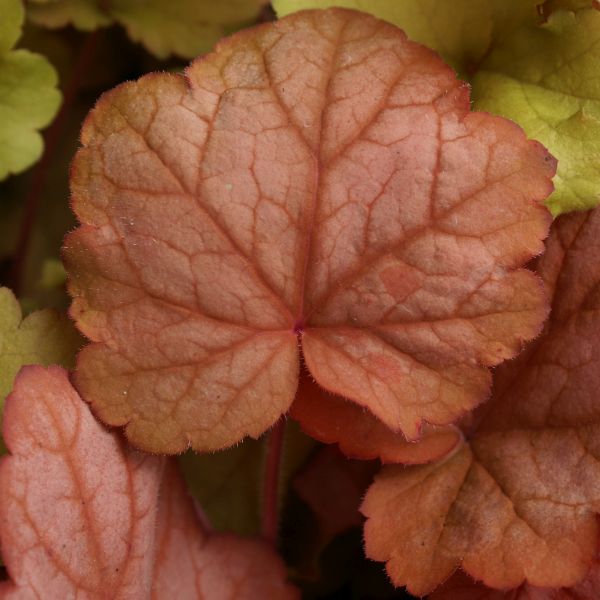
(83, 515)
(518, 502)
(332, 419)
(545, 78)
(377, 222)
(43, 337)
(29, 98)
(183, 27)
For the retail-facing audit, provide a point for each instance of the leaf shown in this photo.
(518, 502)
(377, 222)
(191, 564)
(462, 587)
(540, 74)
(77, 508)
(83, 515)
(545, 79)
(332, 419)
(183, 27)
(29, 98)
(43, 337)
(333, 487)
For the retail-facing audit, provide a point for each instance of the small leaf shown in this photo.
(43, 337)
(28, 95)
(377, 222)
(191, 564)
(184, 27)
(518, 502)
(83, 515)
(332, 419)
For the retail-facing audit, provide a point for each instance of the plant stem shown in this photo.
(41, 171)
(270, 520)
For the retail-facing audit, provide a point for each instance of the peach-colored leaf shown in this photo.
(333, 419)
(77, 508)
(192, 565)
(319, 179)
(518, 502)
(81, 515)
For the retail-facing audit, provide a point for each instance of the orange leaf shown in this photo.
(518, 502)
(319, 179)
(332, 419)
(81, 515)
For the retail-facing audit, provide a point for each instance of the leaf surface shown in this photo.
(193, 565)
(518, 502)
(83, 515)
(29, 98)
(77, 508)
(377, 222)
(183, 27)
(44, 337)
(546, 79)
(540, 72)
(332, 419)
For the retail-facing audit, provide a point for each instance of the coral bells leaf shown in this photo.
(82, 515)
(332, 419)
(316, 180)
(518, 503)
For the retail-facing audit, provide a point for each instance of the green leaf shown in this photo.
(547, 79)
(183, 27)
(540, 70)
(11, 19)
(28, 95)
(86, 15)
(44, 337)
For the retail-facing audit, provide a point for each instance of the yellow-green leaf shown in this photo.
(44, 337)
(183, 27)
(29, 98)
(547, 79)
